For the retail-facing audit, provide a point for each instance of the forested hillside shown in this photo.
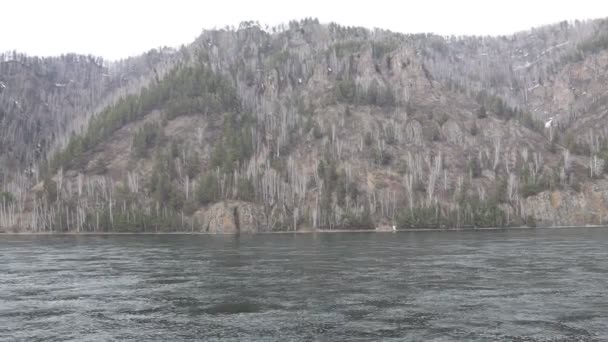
(310, 126)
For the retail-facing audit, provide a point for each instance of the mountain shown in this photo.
(310, 126)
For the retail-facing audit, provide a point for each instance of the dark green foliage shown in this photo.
(363, 220)
(385, 158)
(372, 94)
(594, 44)
(199, 90)
(338, 190)
(71, 156)
(150, 135)
(481, 112)
(496, 105)
(347, 111)
(345, 91)
(368, 140)
(385, 97)
(472, 212)
(427, 73)
(161, 187)
(6, 197)
(531, 221)
(184, 90)
(344, 189)
(376, 95)
(475, 214)
(305, 108)
(439, 45)
(576, 185)
(341, 191)
(381, 48)
(603, 155)
(192, 164)
(575, 146)
(419, 218)
(487, 214)
(573, 56)
(380, 157)
(375, 155)
(530, 189)
(354, 192)
(174, 149)
(500, 191)
(443, 118)
(100, 167)
(317, 132)
(474, 129)
(279, 58)
(235, 145)
(527, 121)
(328, 173)
(389, 135)
(50, 189)
(326, 204)
(190, 206)
(133, 220)
(553, 146)
(419, 186)
(530, 186)
(280, 166)
(475, 167)
(245, 190)
(346, 48)
(208, 189)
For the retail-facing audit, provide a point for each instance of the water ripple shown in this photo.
(530, 285)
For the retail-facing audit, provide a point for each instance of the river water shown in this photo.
(522, 285)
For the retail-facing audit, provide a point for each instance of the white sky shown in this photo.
(121, 28)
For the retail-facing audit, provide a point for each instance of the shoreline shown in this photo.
(320, 231)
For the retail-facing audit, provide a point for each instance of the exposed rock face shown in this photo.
(569, 208)
(232, 217)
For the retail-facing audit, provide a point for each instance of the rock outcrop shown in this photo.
(232, 217)
(562, 208)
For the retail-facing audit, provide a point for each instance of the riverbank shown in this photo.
(319, 231)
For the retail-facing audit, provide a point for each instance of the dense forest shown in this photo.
(310, 126)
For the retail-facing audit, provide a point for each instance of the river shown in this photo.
(500, 285)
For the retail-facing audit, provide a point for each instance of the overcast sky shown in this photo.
(119, 28)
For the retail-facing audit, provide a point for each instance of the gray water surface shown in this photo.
(513, 285)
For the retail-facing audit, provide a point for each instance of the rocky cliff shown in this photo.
(232, 217)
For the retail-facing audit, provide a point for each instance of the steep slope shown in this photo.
(322, 126)
(44, 100)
